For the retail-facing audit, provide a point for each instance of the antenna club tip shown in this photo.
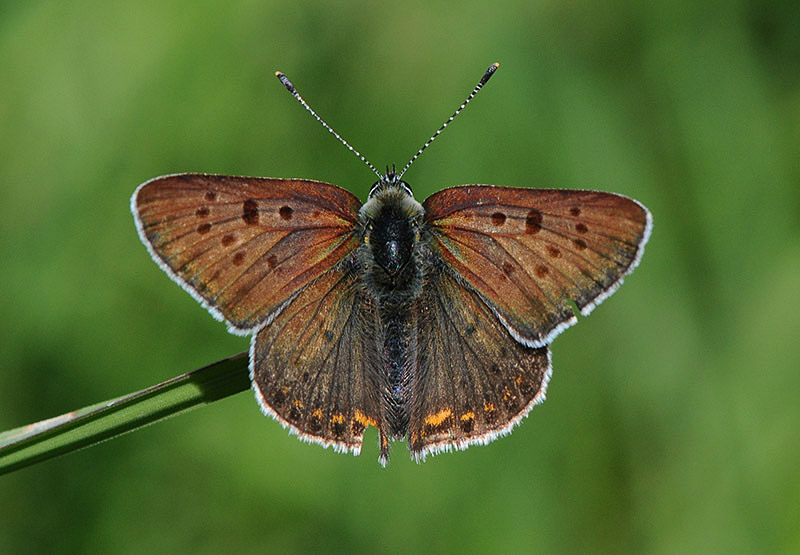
(285, 81)
(488, 74)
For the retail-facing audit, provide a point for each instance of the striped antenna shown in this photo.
(290, 87)
(479, 86)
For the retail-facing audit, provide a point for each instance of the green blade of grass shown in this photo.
(75, 430)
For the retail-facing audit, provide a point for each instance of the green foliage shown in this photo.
(672, 422)
(82, 428)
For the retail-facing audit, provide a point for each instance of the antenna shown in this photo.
(479, 86)
(290, 87)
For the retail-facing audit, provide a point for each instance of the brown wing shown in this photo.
(530, 252)
(315, 368)
(242, 246)
(474, 381)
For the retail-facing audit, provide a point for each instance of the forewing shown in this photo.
(242, 246)
(474, 381)
(530, 252)
(315, 368)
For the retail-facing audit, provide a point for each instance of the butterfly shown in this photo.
(428, 321)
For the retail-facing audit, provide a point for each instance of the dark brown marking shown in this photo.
(286, 213)
(328, 335)
(314, 424)
(294, 413)
(490, 413)
(541, 271)
(498, 218)
(533, 222)
(575, 211)
(581, 228)
(202, 212)
(272, 261)
(238, 258)
(228, 240)
(203, 228)
(211, 196)
(553, 251)
(339, 428)
(278, 398)
(466, 425)
(508, 268)
(356, 427)
(579, 243)
(250, 212)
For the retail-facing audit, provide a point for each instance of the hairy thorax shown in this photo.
(391, 252)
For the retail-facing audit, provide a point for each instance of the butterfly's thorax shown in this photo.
(390, 226)
(391, 257)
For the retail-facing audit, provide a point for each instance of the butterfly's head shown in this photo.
(390, 180)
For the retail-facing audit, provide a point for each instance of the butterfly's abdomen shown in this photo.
(398, 352)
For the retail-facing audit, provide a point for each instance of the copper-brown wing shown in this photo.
(474, 382)
(529, 252)
(315, 368)
(243, 246)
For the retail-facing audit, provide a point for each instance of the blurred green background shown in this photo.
(673, 417)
